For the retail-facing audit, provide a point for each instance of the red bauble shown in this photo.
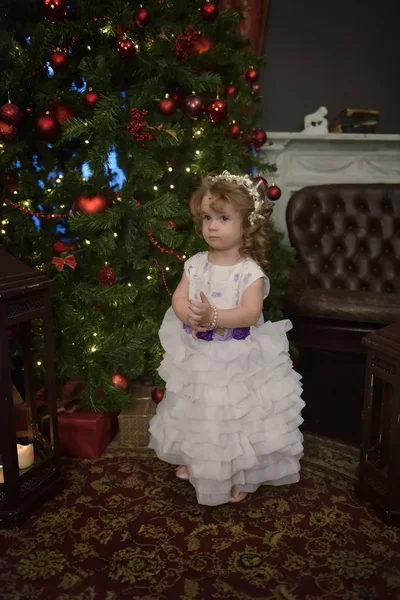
(12, 181)
(10, 114)
(59, 247)
(91, 205)
(7, 132)
(120, 381)
(107, 276)
(231, 91)
(217, 111)
(167, 107)
(194, 107)
(258, 137)
(157, 395)
(48, 128)
(209, 11)
(234, 131)
(90, 99)
(142, 17)
(251, 75)
(273, 193)
(126, 49)
(59, 61)
(54, 10)
(203, 44)
(61, 113)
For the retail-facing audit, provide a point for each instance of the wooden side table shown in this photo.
(379, 476)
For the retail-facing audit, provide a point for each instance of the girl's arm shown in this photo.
(245, 315)
(180, 300)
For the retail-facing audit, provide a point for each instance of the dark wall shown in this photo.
(333, 53)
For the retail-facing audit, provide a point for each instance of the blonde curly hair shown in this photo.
(256, 237)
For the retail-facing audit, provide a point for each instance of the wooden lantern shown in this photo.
(29, 455)
(379, 476)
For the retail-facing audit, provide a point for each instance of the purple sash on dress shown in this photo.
(221, 334)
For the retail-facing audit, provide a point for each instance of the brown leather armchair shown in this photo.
(345, 285)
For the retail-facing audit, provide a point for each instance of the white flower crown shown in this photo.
(250, 186)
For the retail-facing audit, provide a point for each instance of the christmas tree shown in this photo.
(111, 112)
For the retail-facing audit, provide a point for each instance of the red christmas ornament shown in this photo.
(157, 395)
(91, 205)
(48, 128)
(90, 99)
(258, 137)
(59, 247)
(61, 113)
(54, 10)
(234, 131)
(12, 181)
(184, 44)
(167, 106)
(217, 111)
(194, 107)
(209, 11)
(7, 132)
(252, 75)
(10, 114)
(273, 193)
(203, 44)
(126, 49)
(231, 91)
(142, 17)
(139, 127)
(120, 381)
(107, 276)
(59, 61)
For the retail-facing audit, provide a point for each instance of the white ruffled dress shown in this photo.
(232, 408)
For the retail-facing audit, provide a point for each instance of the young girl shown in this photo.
(231, 411)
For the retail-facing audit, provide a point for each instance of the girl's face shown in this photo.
(221, 230)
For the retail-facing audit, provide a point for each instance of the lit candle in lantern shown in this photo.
(25, 456)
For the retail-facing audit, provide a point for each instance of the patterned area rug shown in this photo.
(126, 528)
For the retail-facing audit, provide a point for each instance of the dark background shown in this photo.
(334, 53)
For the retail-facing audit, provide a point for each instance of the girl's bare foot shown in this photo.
(182, 472)
(237, 496)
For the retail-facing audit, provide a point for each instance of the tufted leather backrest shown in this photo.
(348, 235)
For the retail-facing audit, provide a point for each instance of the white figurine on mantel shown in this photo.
(316, 122)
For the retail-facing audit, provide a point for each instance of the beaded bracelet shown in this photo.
(213, 323)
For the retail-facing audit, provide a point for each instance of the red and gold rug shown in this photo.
(126, 528)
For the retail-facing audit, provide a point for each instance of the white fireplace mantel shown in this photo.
(304, 159)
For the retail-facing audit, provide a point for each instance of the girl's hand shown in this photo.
(200, 312)
(200, 315)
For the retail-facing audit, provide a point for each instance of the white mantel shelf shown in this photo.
(304, 159)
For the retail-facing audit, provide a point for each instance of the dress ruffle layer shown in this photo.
(231, 411)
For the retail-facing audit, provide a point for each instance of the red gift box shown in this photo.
(85, 434)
